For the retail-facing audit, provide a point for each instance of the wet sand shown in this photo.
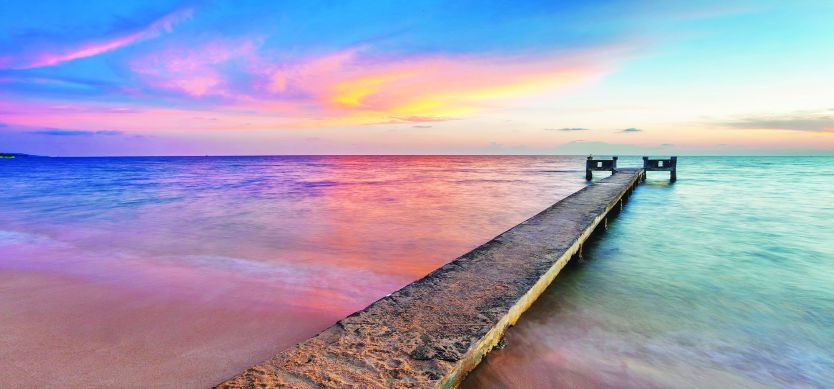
(69, 332)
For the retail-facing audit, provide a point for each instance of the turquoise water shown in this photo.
(723, 279)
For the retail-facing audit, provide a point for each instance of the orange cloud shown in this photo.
(340, 89)
(347, 89)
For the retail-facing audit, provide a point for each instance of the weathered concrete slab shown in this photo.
(435, 330)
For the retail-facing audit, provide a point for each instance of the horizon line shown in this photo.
(419, 155)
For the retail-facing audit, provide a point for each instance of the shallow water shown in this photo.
(183, 271)
(172, 272)
(723, 279)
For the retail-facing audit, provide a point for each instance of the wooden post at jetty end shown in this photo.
(670, 165)
(588, 175)
(592, 164)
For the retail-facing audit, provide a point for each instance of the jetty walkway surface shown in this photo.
(432, 332)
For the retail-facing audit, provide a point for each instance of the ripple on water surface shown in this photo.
(172, 272)
(724, 279)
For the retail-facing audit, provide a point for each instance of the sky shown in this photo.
(160, 77)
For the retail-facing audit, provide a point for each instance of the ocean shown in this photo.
(724, 279)
(182, 271)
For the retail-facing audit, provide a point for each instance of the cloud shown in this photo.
(108, 132)
(89, 49)
(627, 130)
(356, 86)
(208, 69)
(234, 81)
(569, 129)
(421, 126)
(238, 79)
(797, 121)
(60, 132)
(422, 119)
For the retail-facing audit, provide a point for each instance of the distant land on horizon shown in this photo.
(18, 155)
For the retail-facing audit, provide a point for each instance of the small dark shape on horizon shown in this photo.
(631, 130)
(16, 155)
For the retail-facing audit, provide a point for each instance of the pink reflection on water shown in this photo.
(182, 272)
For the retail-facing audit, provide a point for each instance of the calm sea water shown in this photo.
(184, 271)
(724, 279)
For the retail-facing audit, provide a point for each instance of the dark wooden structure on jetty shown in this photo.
(649, 165)
(670, 165)
(606, 165)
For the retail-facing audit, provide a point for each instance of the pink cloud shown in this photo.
(161, 25)
(99, 116)
(349, 85)
(193, 71)
(338, 89)
(345, 85)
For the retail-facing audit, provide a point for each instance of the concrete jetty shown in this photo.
(432, 332)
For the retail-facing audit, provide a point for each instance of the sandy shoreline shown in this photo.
(58, 329)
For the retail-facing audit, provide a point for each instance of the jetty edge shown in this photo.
(432, 332)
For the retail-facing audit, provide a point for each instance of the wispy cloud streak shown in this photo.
(60, 132)
(89, 49)
(798, 121)
(569, 129)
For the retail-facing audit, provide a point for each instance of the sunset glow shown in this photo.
(173, 77)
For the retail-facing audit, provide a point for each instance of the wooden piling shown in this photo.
(588, 175)
(673, 174)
